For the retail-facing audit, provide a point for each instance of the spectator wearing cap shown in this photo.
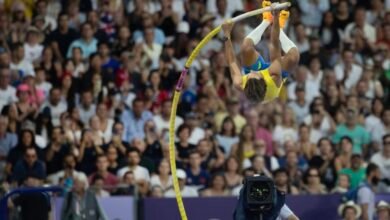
(312, 12)
(233, 111)
(382, 158)
(356, 172)
(359, 135)
(7, 92)
(29, 164)
(32, 47)
(134, 120)
(186, 191)
(19, 63)
(383, 210)
(300, 106)
(349, 211)
(87, 42)
(55, 105)
(61, 38)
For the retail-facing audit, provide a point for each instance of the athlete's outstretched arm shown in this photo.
(235, 71)
(275, 50)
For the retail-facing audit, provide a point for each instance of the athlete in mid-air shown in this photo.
(263, 81)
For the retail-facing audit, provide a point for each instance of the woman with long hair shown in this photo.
(182, 145)
(227, 136)
(343, 160)
(307, 148)
(232, 172)
(217, 187)
(87, 152)
(106, 123)
(244, 149)
(312, 182)
(286, 131)
(163, 177)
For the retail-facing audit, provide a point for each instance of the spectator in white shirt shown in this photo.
(41, 83)
(301, 79)
(315, 72)
(347, 72)
(312, 11)
(151, 49)
(382, 158)
(360, 25)
(19, 63)
(222, 14)
(162, 120)
(41, 9)
(185, 190)
(300, 106)
(7, 92)
(55, 105)
(32, 48)
(232, 6)
(86, 109)
(141, 174)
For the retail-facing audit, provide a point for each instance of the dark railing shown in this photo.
(4, 200)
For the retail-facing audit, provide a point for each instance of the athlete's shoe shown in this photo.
(283, 17)
(267, 15)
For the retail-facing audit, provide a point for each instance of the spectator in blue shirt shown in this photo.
(196, 176)
(7, 140)
(135, 119)
(29, 164)
(87, 42)
(147, 22)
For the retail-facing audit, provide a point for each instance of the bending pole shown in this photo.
(179, 87)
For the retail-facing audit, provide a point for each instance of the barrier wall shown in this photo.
(115, 208)
(305, 207)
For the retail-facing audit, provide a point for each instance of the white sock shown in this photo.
(256, 34)
(286, 43)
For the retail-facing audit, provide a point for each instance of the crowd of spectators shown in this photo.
(86, 94)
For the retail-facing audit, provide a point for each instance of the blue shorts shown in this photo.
(260, 64)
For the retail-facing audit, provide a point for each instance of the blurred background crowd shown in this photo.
(86, 89)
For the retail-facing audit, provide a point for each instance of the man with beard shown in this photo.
(366, 192)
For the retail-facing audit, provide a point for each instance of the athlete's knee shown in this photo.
(293, 55)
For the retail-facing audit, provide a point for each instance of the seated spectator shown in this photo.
(127, 185)
(97, 134)
(271, 162)
(217, 187)
(232, 173)
(343, 184)
(87, 108)
(163, 179)
(286, 131)
(258, 165)
(109, 180)
(141, 174)
(347, 72)
(183, 146)
(383, 210)
(162, 120)
(114, 162)
(343, 160)
(156, 192)
(312, 182)
(28, 164)
(356, 172)
(306, 146)
(196, 132)
(359, 135)
(19, 63)
(87, 42)
(56, 150)
(7, 141)
(97, 185)
(7, 92)
(105, 122)
(295, 173)
(211, 155)
(55, 105)
(282, 182)
(350, 211)
(68, 171)
(382, 158)
(244, 149)
(360, 24)
(227, 136)
(26, 140)
(32, 48)
(146, 162)
(185, 190)
(245, 173)
(88, 150)
(196, 175)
